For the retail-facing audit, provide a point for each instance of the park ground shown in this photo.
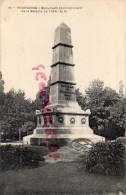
(64, 176)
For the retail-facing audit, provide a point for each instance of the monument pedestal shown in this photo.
(67, 123)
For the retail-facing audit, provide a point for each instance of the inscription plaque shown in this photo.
(68, 90)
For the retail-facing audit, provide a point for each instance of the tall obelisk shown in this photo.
(68, 120)
(62, 87)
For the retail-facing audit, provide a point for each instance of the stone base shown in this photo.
(64, 123)
(41, 139)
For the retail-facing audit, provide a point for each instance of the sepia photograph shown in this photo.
(62, 97)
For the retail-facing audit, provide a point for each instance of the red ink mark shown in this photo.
(48, 109)
(42, 75)
(37, 67)
(51, 136)
(49, 131)
(43, 92)
(53, 148)
(43, 104)
(54, 156)
(48, 120)
(41, 85)
(49, 104)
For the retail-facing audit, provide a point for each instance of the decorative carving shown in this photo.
(60, 119)
(72, 120)
(83, 121)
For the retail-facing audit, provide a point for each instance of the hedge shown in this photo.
(18, 156)
(106, 158)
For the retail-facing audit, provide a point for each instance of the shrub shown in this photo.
(18, 156)
(121, 140)
(105, 158)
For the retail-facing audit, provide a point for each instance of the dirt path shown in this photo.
(72, 152)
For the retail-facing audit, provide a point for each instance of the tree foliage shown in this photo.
(121, 90)
(28, 127)
(42, 98)
(107, 109)
(17, 114)
(81, 99)
(1, 83)
(16, 111)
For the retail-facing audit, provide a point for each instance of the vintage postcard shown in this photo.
(62, 97)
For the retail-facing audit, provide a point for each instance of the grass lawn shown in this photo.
(62, 177)
(58, 178)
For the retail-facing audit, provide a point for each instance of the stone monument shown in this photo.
(68, 120)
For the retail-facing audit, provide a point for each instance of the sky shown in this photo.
(98, 31)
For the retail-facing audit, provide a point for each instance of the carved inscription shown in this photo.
(67, 90)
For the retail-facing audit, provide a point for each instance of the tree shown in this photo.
(19, 112)
(117, 119)
(42, 97)
(121, 87)
(95, 88)
(1, 94)
(95, 103)
(16, 111)
(1, 83)
(124, 107)
(107, 109)
(1, 103)
(81, 99)
(27, 128)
